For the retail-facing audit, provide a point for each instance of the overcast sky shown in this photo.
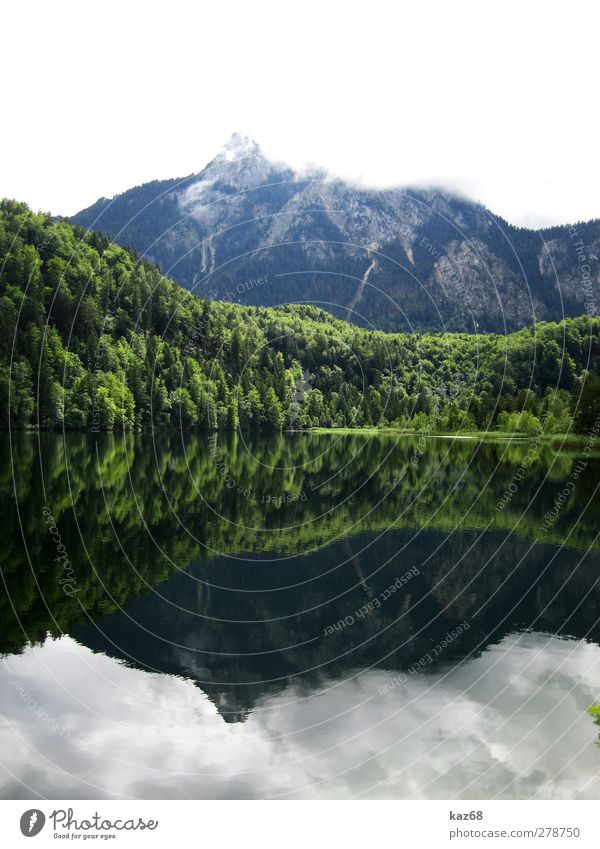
(496, 99)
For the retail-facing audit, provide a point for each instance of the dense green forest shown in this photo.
(92, 338)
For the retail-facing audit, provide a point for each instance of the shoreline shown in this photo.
(559, 441)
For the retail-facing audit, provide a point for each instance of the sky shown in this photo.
(496, 100)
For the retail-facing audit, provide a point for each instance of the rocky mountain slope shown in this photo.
(253, 231)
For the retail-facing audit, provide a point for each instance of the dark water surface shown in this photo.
(298, 616)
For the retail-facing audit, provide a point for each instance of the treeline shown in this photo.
(92, 338)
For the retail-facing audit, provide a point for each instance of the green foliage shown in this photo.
(587, 414)
(91, 338)
(594, 711)
(518, 422)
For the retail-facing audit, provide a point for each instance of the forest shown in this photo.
(92, 338)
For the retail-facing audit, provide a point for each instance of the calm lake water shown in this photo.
(298, 616)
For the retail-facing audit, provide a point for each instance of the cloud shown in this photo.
(510, 723)
(403, 94)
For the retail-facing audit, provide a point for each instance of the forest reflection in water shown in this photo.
(303, 591)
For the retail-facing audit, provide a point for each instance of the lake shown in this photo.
(298, 616)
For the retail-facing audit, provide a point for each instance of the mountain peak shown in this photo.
(239, 145)
(443, 260)
(241, 164)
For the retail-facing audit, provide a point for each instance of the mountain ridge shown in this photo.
(443, 262)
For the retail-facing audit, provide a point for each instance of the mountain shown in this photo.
(249, 230)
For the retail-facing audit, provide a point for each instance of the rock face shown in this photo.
(255, 232)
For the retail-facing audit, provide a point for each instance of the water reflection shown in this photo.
(240, 632)
(298, 615)
(510, 723)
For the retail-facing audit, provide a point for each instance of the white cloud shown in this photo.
(511, 723)
(496, 99)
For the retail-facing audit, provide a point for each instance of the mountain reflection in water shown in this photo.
(340, 621)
